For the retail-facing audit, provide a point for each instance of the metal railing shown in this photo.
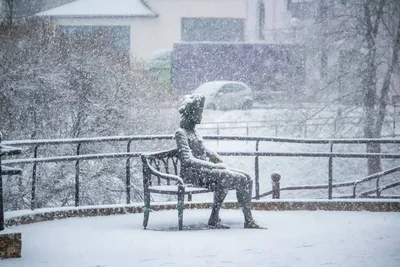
(276, 189)
(5, 170)
(128, 155)
(78, 158)
(304, 127)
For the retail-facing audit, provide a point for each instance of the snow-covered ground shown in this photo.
(293, 238)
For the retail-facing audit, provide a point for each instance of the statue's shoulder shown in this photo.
(180, 131)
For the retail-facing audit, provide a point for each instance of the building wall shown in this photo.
(151, 34)
(160, 33)
(277, 17)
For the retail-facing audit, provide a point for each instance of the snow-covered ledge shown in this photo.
(13, 218)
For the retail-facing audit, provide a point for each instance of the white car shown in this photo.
(226, 95)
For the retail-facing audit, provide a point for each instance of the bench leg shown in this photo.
(146, 210)
(181, 203)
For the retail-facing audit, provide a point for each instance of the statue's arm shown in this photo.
(186, 155)
(213, 156)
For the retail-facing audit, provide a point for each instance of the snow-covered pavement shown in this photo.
(293, 238)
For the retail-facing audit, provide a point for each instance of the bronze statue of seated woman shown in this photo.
(203, 167)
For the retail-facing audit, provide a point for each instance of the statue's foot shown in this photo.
(253, 225)
(217, 224)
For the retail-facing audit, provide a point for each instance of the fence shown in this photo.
(276, 177)
(4, 170)
(128, 155)
(303, 128)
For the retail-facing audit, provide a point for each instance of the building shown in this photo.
(144, 27)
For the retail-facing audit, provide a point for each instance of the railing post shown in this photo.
(247, 128)
(33, 189)
(335, 127)
(257, 174)
(378, 192)
(394, 127)
(1, 193)
(305, 129)
(276, 191)
(354, 190)
(217, 133)
(128, 174)
(77, 176)
(394, 119)
(330, 172)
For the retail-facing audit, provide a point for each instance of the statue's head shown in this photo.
(191, 109)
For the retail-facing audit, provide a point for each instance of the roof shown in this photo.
(101, 8)
(222, 82)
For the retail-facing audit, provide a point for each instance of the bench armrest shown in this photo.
(161, 154)
(160, 174)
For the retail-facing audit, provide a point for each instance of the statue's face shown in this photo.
(194, 116)
(198, 116)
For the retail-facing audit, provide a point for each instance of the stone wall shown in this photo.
(270, 205)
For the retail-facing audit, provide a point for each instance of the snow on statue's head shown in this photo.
(191, 109)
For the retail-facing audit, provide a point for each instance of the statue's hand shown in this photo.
(217, 159)
(220, 166)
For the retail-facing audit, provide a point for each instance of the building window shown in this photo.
(109, 39)
(303, 9)
(212, 30)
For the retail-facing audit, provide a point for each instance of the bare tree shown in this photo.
(362, 39)
(380, 29)
(52, 87)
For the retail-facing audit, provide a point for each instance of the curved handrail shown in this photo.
(374, 176)
(308, 187)
(388, 186)
(345, 184)
(161, 174)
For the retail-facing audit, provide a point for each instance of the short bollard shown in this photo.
(275, 177)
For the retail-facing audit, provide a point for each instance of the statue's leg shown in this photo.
(226, 179)
(219, 197)
(244, 189)
(243, 194)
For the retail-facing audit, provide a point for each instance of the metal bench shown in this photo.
(161, 176)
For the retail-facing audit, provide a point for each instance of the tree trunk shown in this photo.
(369, 88)
(386, 81)
(374, 164)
